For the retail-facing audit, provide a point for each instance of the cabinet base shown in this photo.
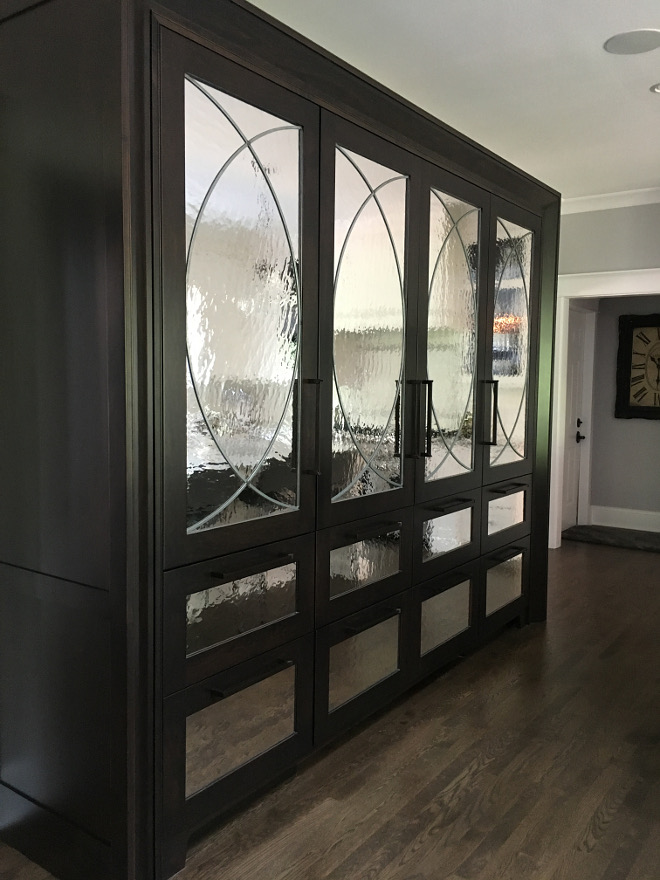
(51, 841)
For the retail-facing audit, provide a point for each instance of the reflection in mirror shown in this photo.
(505, 511)
(242, 169)
(503, 583)
(229, 733)
(444, 616)
(360, 662)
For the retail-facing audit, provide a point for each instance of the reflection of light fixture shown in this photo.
(655, 88)
(633, 42)
(507, 324)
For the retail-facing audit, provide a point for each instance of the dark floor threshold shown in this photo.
(631, 539)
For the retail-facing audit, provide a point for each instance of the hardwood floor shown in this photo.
(537, 758)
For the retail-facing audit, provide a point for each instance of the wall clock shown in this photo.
(638, 368)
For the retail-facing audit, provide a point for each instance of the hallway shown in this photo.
(537, 758)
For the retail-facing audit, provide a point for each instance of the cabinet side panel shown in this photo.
(61, 312)
(54, 696)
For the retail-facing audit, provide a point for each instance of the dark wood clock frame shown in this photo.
(623, 409)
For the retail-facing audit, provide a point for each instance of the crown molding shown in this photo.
(630, 282)
(606, 201)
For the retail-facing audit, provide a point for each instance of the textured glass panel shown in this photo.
(445, 616)
(452, 333)
(356, 565)
(369, 311)
(503, 583)
(233, 731)
(506, 511)
(242, 309)
(511, 340)
(444, 533)
(360, 662)
(231, 609)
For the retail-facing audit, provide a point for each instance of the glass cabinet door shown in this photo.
(364, 323)
(449, 333)
(511, 349)
(239, 351)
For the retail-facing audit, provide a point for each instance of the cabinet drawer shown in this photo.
(235, 732)
(221, 612)
(360, 563)
(447, 533)
(362, 662)
(445, 617)
(505, 586)
(506, 513)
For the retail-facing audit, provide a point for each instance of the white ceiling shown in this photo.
(528, 79)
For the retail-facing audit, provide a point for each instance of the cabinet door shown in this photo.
(237, 186)
(452, 315)
(367, 325)
(509, 386)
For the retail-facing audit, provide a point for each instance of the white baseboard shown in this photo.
(622, 518)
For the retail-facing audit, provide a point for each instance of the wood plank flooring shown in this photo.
(537, 758)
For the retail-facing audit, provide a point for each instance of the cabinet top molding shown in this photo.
(259, 42)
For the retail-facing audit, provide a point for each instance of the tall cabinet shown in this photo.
(311, 340)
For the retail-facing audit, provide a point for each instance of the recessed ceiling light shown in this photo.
(655, 88)
(633, 42)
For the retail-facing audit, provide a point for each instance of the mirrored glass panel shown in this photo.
(511, 340)
(242, 169)
(233, 731)
(364, 562)
(452, 333)
(444, 616)
(441, 534)
(231, 609)
(505, 511)
(363, 660)
(369, 327)
(503, 583)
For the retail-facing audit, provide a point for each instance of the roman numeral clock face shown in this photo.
(645, 367)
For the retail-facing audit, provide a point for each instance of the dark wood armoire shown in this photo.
(276, 366)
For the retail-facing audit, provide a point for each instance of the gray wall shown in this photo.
(625, 468)
(605, 241)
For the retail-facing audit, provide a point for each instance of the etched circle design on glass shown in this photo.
(369, 326)
(452, 333)
(510, 355)
(242, 309)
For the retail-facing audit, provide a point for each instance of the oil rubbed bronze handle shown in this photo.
(495, 385)
(272, 561)
(372, 621)
(505, 555)
(376, 531)
(266, 672)
(314, 469)
(510, 487)
(456, 504)
(397, 421)
(429, 416)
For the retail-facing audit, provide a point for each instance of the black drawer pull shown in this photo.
(377, 531)
(504, 490)
(373, 621)
(230, 690)
(508, 553)
(273, 561)
(456, 504)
